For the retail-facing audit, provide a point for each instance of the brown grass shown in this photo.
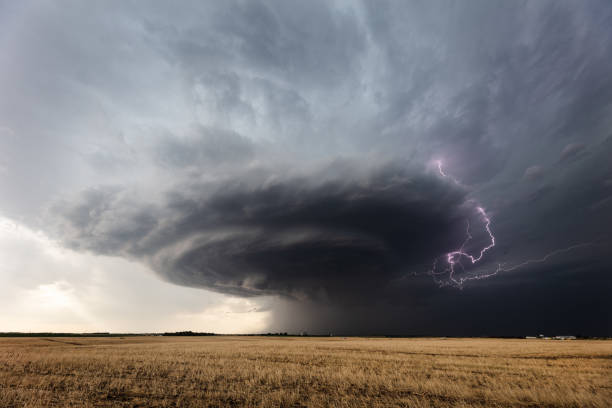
(296, 372)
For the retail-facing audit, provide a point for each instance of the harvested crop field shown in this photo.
(227, 371)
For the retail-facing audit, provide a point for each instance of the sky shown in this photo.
(347, 167)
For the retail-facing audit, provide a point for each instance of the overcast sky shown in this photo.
(424, 167)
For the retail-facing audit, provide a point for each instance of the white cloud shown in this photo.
(44, 287)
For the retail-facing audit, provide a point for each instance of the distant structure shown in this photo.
(542, 337)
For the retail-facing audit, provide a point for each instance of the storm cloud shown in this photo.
(289, 150)
(340, 232)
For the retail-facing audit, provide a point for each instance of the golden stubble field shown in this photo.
(295, 372)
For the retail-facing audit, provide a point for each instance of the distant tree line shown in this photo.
(192, 333)
(188, 333)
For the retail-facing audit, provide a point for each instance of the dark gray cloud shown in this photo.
(340, 232)
(282, 148)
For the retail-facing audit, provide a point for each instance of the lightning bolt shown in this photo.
(443, 174)
(453, 258)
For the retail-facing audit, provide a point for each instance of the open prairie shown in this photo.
(224, 371)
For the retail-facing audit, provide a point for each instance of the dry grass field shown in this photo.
(297, 372)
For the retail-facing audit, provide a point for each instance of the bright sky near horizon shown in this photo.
(50, 288)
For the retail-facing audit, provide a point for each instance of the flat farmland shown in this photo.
(227, 371)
